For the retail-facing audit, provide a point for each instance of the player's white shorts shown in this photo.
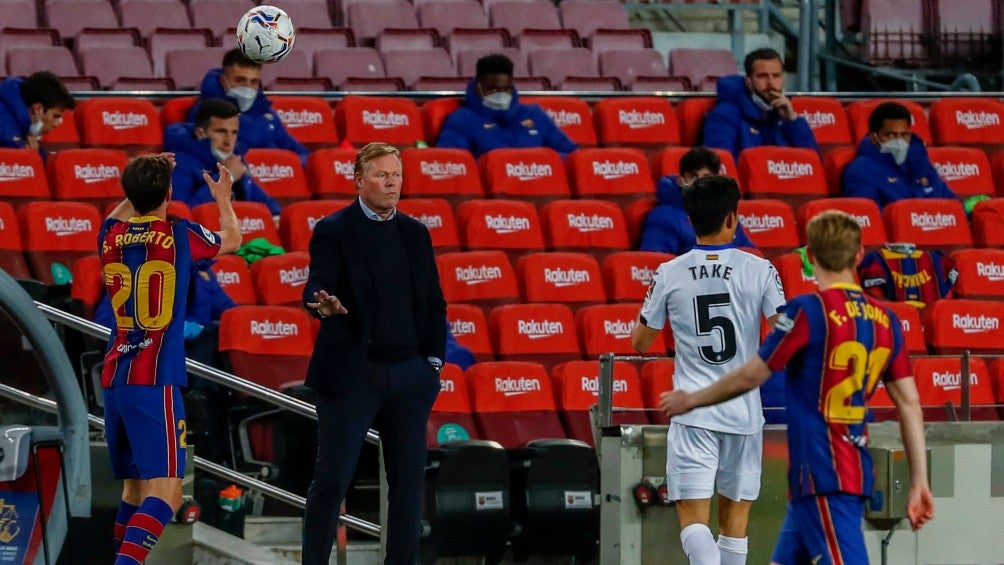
(695, 457)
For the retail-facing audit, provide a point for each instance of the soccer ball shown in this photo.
(265, 34)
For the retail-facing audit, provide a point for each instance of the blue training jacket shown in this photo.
(14, 117)
(873, 174)
(194, 156)
(667, 228)
(479, 129)
(737, 123)
(260, 127)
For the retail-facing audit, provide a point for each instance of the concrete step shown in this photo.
(357, 553)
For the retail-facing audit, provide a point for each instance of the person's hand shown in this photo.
(674, 402)
(31, 142)
(327, 304)
(221, 189)
(170, 157)
(920, 506)
(783, 105)
(236, 166)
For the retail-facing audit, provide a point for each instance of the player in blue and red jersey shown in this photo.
(836, 344)
(147, 262)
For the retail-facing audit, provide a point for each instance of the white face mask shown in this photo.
(36, 128)
(220, 155)
(898, 148)
(498, 100)
(244, 95)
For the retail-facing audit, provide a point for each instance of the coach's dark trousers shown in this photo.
(396, 398)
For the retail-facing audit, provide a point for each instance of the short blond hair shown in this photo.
(834, 239)
(372, 151)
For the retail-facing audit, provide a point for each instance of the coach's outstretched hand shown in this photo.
(327, 304)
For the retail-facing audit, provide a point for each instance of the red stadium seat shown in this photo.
(279, 279)
(513, 402)
(11, 247)
(434, 113)
(968, 121)
(911, 324)
(22, 176)
(576, 389)
(656, 378)
(939, 382)
(279, 172)
(544, 333)
(834, 163)
(510, 225)
(988, 223)
(858, 112)
(268, 345)
(590, 226)
(437, 215)
(331, 173)
(997, 382)
(965, 169)
(297, 220)
(667, 162)
(619, 174)
(790, 173)
(470, 327)
(87, 174)
(451, 417)
(864, 210)
(130, 124)
(55, 234)
(931, 223)
(690, 113)
(641, 121)
(309, 119)
(954, 325)
(568, 278)
(793, 278)
(981, 274)
(826, 117)
(635, 214)
(533, 174)
(571, 114)
(606, 328)
(233, 275)
(255, 220)
(628, 274)
(485, 278)
(176, 110)
(363, 119)
(441, 173)
(770, 224)
(997, 168)
(88, 286)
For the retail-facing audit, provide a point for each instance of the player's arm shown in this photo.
(123, 211)
(642, 336)
(230, 227)
(920, 503)
(747, 376)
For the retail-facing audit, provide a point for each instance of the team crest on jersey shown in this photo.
(784, 323)
(651, 290)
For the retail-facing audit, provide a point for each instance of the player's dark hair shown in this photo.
(236, 57)
(214, 108)
(698, 158)
(493, 65)
(46, 88)
(764, 54)
(888, 111)
(708, 201)
(146, 180)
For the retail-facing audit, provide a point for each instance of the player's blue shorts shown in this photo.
(145, 428)
(823, 530)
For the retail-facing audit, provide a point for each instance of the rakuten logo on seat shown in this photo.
(563, 118)
(437, 170)
(863, 220)
(249, 224)
(610, 170)
(95, 173)
(761, 223)
(297, 276)
(225, 278)
(819, 119)
(642, 275)
(447, 386)
(346, 169)
(312, 221)
(120, 120)
(264, 173)
(957, 171)
(536, 329)
(635, 119)
(585, 223)
(431, 222)
(970, 324)
(977, 119)
(67, 226)
(274, 330)
(510, 386)
(507, 224)
(927, 221)
(620, 329)
(15, 171)
(463, 327)
(952, 381)
(785, 170)
(593, 385)
(384, 120)
(561, 278)
(472, 275)
(991, 271)
(299, 118)
(528, 171)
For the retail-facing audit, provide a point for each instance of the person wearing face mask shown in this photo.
(198, 147)
(30, 108)
(892, 162)
(667, 227)
(753, 110)
(239, 81)
(492, 116)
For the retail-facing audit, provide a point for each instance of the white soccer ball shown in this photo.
(265, 34)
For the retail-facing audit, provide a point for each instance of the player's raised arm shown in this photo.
(920, 502)
(230, 227)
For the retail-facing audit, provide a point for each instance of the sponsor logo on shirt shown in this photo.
(561, 278)
(510, 386)
(293, 119)
(15, 171)
(786, 170)
(476, 275)
(268, 329)
(977, 119)
(927, 221)
(124, 120)
(384, 120)
(437, 170)
(610, 170)
(537, 329)
(67, 226)
(970, 324)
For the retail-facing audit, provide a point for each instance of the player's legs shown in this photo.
(828, 532)
(739, 469)
(691, 463)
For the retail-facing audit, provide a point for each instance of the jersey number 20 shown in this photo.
(151, 290)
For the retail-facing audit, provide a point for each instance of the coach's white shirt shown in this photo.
(714, 297)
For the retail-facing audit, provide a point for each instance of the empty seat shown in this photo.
(375, 84)
(576, 390)
(437, 215)
(483, 278)
(403, 39)
(965, 30)
(176, 110)
(363, 119)
(628, 64)
(966, 170)
(793, 277)
(312, 12)
(635, 214)
(628, 274)
(340, 63)
(309, 119)
(570, 113)
(981, 274)
(911, 324)
(591, 83)
(16, 37)
(302, 84)
(638, 121)
(558, 64)
(268, 345)
(826, 118)
(536, 174)
(55, 234)
(441, 173)
(988, 223)
(968, 121)
(68, 17)
(130, 124)
(958, 324)
(233, 276)
(513, 403)
(254, 217)
(931, 223)
(219, 16)
(834, 163)
(123, 37)
(864, 210)
(858, 112)
(410, 64)
(585, 16)
(697, 64)
(606, 39)
(567, 278)
(434, 113)
(23, 61)
(188, 66)
(133, 84)
(789, 173)
(544, 333)
(451, 83)
(87, 174)
(532, 38)
(656, 378)
(473, 38)
(590, 226)
(171, 15)
(296, 64)
(690, 113)
(297, 221)
(311, 40)
(645, 84)
(770, 224)
(620, 174)
(606, 328)
(510, 225)
(368, 19)
(18, 14)
(22, 176)
(516, 16)
(470, 327)
(939, 383)
(894, 32)
(88, 286)
(279, 279)
(279, 172)
(445, 16)
(11, 248)
(451, 417)
(331, 173)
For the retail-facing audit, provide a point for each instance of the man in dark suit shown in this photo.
(374, 283)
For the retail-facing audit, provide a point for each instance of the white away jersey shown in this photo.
(713, 298)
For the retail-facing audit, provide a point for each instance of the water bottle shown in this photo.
(231, 510)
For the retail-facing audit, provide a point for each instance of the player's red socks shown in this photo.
(144, 530)
(126, 511)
